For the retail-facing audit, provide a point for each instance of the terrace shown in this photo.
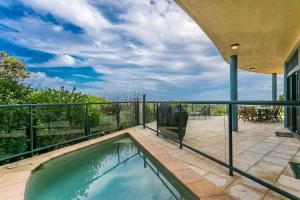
(252, 163)
(256, 150)
(212, 155)
(262, 149)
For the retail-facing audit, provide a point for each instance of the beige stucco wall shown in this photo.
(267, 31)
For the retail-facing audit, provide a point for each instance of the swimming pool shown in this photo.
(118, 169)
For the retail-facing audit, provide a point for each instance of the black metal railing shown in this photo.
(27, 130)
(229, 113)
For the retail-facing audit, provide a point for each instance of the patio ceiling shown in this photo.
(267, 31)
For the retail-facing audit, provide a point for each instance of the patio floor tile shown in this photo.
(204, 189)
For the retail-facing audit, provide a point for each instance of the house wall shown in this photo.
(299, 54)
(292, 85)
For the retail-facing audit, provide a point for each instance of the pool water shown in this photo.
(119, 169)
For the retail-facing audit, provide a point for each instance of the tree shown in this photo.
(12, 74)
(281, 97)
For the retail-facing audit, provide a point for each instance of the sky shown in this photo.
(120, 48)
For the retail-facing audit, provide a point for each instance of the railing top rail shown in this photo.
(282, 103)
(63, 104)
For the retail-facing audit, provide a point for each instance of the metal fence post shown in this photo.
(230, 138)
(144, 111)
(31, 130)
(118, 117)
(154, 112)
(137, 111)
(86, 122)
(180, 125)
(157, 119)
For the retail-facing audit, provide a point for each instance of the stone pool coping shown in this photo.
(14, 176)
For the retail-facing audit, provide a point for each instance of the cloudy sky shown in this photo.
(120, 47)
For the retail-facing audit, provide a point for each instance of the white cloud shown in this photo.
(155, 48)
(61, 60)
(78, 12)
(41, 80)
(57, 28)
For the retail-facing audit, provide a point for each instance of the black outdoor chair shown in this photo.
(168, 122)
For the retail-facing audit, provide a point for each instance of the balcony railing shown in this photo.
(27, 130)
(204, 127)
(205, 144)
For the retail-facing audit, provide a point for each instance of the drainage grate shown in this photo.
(284, 134)
(296, 169)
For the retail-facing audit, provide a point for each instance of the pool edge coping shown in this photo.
(14, 176)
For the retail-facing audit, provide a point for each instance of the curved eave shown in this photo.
(268, 31)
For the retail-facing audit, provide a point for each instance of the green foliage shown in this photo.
(11, 68)
(51, 124)
(12, 74)
(281, 97)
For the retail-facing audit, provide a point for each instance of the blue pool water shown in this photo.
(119, 169)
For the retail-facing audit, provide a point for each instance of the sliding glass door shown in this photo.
(293, 82)
(298, 99)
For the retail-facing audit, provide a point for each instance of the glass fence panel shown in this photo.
(57, 124)
(265, 147)
(168, 120)
(140, 112)
(127, 115)
(150, 115)
(14, 131)
(103, 118)
(207, 131)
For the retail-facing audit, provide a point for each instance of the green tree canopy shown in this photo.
(12, 74)
(12, 68)
(14, 91)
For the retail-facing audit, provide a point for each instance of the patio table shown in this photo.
(261, 110)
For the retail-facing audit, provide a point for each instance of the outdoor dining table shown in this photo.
(261, 110)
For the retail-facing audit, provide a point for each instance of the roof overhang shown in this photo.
(267, 31)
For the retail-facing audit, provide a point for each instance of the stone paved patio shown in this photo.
(256, 150)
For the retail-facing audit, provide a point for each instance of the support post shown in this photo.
(153, 114)
(274, 86)
(157, 119)
(285, 119)
(145, 160)
(118, 115)
(180, 125)
(230, 109)
(144, 111)
(137, 112)
(31, 130)
(86, 121)
(234, 90)
(118, 153)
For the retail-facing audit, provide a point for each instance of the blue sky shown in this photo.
(121, 47)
